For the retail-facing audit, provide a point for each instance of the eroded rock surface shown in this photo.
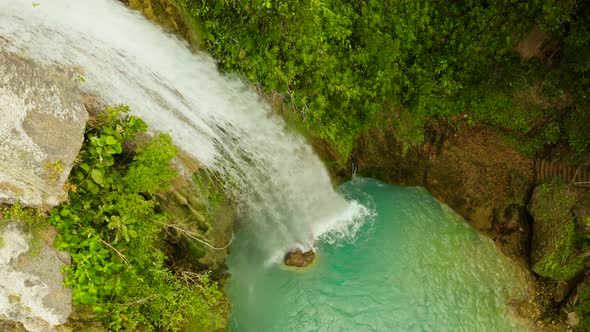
(41, 130)
(31, 289)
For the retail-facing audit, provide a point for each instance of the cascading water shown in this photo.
(127, 60)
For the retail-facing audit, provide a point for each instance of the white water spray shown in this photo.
(127, 60)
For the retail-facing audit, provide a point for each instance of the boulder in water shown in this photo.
(299, 258)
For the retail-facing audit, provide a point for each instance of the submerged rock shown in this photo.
(41, 130)
(299, 258)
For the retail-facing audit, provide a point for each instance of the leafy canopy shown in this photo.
(341, 63)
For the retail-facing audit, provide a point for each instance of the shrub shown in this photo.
(111, 229)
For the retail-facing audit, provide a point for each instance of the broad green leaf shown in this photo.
(85, 167)
(93, 188)
(110, 140)
(97, 175)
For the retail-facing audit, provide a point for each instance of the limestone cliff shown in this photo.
(43, 118)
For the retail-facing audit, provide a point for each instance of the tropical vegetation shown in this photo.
(341, 64)
(114, 232)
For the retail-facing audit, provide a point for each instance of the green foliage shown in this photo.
(146, 174)
(211, 189)
(111, 229)
(339, 63)
(577, 42)
(563, 264)
(551, 208)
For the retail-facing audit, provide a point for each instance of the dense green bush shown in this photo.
(112, 231)
(339, 63)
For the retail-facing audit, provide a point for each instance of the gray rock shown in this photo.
(41, 130)
(31, 282)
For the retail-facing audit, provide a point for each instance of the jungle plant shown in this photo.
(111, 229)
(340, 63)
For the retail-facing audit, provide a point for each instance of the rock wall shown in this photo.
(43, 118)
(473, 171)
(204, 216)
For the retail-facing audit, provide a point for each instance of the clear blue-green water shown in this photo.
(413, 266)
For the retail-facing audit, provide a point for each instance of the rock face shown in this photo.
(41, 130)
(299, 258)
(197, 204)
(31, 289)
(473, 171)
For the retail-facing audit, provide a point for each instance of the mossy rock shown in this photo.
(83, 319)
(170, 15)
(198, 209)
(554, 253)
(193, 248)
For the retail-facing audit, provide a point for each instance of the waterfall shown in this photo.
(283, 188)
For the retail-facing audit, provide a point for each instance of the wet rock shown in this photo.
(83, 319)
(41, 130)
(299, 258)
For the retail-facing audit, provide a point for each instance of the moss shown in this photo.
(562, 264)
(553, 202)
(555, 234)
(54, 169)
